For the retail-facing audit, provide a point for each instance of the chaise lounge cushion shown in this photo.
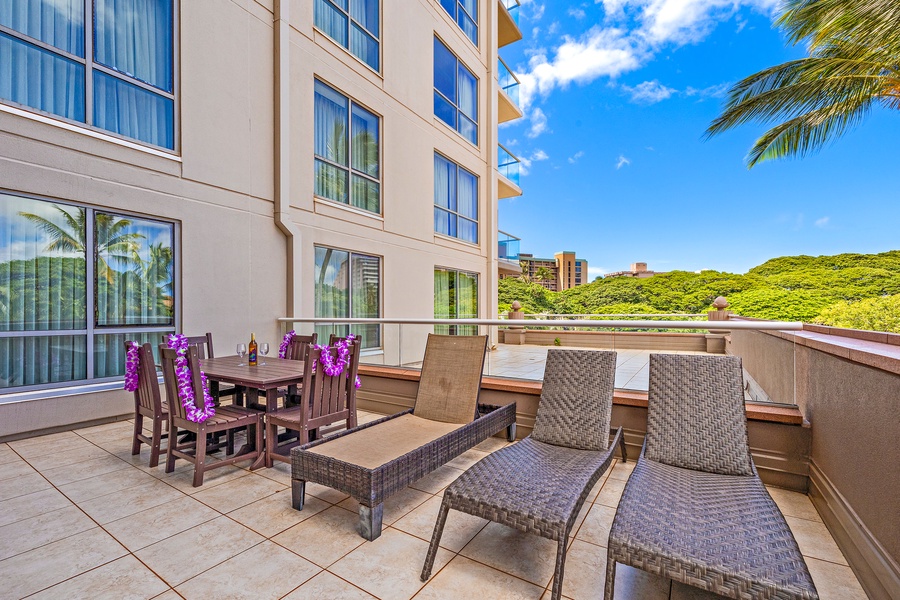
(374, 446)
(451, 378)
(698, 427)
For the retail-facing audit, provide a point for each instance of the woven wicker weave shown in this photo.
(721, 533)
(534, 486)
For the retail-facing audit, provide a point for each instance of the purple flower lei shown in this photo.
(185, 389)
(282, 350)
(335, 366)
(132, 362)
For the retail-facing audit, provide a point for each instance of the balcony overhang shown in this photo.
(507, 30)
(506, 188)
(506, 108)
(509, 268)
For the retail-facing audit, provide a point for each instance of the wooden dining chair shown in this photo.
(147, 403)
(226, 418)
(204, 344)
(298, 349)
(324, 399)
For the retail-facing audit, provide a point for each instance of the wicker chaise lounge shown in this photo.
(694, 509)
(375, 460)
(539, 484)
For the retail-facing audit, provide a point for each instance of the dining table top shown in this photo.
(234, 369)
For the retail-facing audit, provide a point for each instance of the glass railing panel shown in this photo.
(512, 7)
(507, 164)
(508, 247)
(508, 82)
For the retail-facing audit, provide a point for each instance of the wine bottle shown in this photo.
(252, 350)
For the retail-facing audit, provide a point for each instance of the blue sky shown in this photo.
(617, 95)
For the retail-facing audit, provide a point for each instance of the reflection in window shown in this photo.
(348, 285)
(131, 74)
(455, 93)
(354, 26)
(346, 149)
(455, 297)
(47, 287)
(455, 200)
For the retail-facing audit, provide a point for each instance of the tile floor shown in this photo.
(91, 521)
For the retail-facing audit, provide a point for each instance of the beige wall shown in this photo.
(234, 260)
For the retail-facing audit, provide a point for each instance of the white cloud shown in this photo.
(526, 161)
(574, 158)
(649, 92)
(597, 271)
(823, 222)
(577, 13)
(538, 123)
(622, 162)
(713, 91)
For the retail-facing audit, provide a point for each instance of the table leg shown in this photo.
(271, 405)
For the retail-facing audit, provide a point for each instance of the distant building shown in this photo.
(638, 269)
(565, 270)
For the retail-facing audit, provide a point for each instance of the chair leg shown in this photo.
(556, 593)
(260, 425)
(155, 442)
(624, 452)
(609, 588)
(435, 541)
(271, 442)
(229, 442)
(170, 446)
(370, 521)
(511, 433)
(199, 458)
(138, 428)
(298, 493)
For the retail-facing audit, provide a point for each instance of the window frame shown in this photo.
(350, 22)
(461, 329)
(474, 18)
(350, 255)
(349, 168)
(459, 215)
(90, 65)
(92, 329)
(459, 65)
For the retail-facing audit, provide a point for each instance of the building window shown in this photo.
(346, 148)
(75, 283)
(455, 93)
(465, 12)
(125, 85)
(455, 297)
(455, 200)
(353, 24)
(348, 285)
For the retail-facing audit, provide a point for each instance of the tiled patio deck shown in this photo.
(81, 518)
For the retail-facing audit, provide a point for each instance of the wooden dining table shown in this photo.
(251, 381)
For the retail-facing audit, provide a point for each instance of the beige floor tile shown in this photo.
(681, 591)
(634, 584)
(31, 505)
(833, 582)
(467, 459)
(437, 480)
(280, 472)
(389, 567)
(238, 492)
(266, 571)
(83, 470)
(395, 507)
(815, 540)
(122, 579)
(611, 492)
(323, 538)
(39, 446)
(123, 503)
(120, 427)
(26, 484)
(48, 565)
(327, 586)
(49, 527)
(585, 572)
(157, 523)
(794, 504)
(595, 529)
(525, 556)
(622, 470)
(55, 458)
(121, 447)
(14, 469)
(7, 454)
(182, 478)
(105, 483)
(464, 578)
(327, 494)
(168, 595)
(189, 553)
(274, 514)
(592, 495)
(492, 443)
(459, 529)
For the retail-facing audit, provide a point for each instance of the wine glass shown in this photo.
(264, 349)
(241, 351)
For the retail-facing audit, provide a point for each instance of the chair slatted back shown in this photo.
(146, 395)
(204, 345)
(298, 349)
(324, 398)
(168, 357)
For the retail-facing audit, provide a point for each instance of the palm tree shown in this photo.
(112, 239)
(543, 275)
(854, 65)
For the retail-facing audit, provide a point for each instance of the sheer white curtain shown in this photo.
(132, 111)
(332, 21)
(135, 37)
(331, 119)
(59, 23)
